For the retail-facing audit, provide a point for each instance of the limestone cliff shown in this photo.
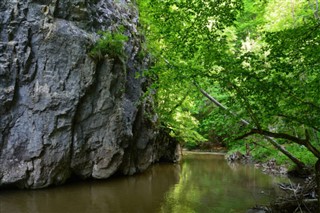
(61, 112)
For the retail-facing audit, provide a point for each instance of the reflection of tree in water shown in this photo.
(209, 184)
(201, 183)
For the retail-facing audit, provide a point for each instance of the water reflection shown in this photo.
(140, 193)
(209, 184)
(201, 183)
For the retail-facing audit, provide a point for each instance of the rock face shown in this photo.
(61, 112)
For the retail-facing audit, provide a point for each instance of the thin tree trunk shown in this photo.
(300, 164)
(317, 169)
(270, 139)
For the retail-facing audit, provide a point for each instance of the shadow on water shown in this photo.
(139, 193)
(200, 183)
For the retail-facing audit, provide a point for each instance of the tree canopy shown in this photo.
(259, 59)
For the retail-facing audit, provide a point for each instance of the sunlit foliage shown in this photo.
(259, 58)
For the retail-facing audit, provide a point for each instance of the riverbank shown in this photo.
(203, 152)
(298, 195)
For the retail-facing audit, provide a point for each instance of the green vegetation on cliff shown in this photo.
(109, 43)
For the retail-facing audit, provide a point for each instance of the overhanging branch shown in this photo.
(274, 135)
(268, 137)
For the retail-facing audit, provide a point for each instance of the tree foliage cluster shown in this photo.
(259, 59)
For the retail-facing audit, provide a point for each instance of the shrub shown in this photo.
(110, 43)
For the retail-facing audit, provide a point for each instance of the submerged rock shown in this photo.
(61, 112)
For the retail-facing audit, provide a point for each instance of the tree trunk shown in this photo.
(295, 160)
(317, 170)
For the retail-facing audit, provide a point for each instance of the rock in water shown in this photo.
(63, 113)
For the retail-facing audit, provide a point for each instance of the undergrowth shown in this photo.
(263, 152)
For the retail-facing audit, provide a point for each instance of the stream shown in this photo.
(199, 183)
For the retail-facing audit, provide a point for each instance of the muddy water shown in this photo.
(200, 183)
